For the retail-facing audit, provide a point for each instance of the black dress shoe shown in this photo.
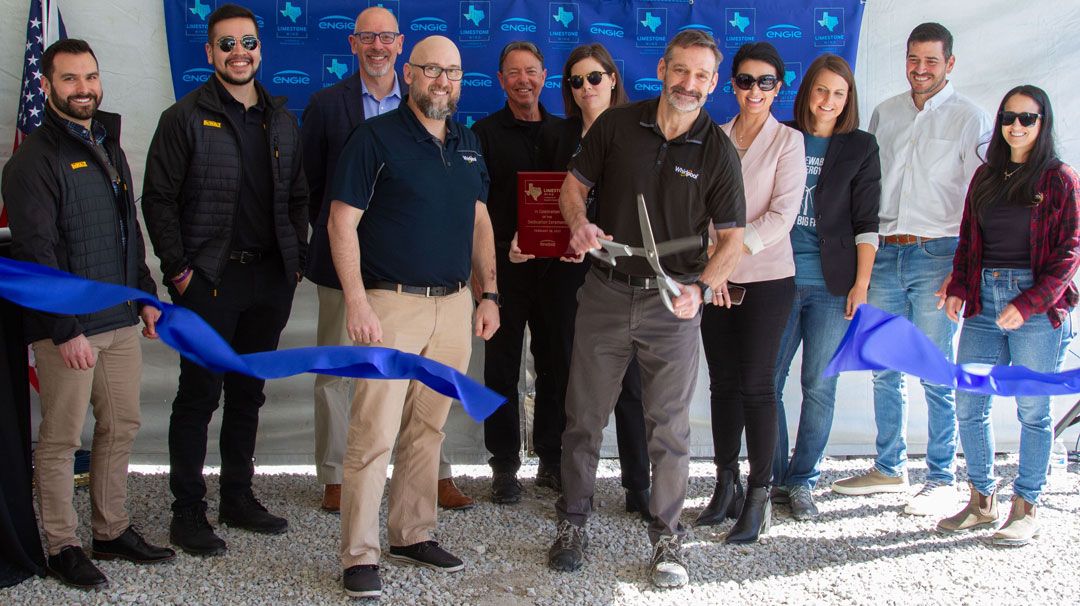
(505, 488)
(130, 546)
(637, 501)
(245, 511)
(190, 531)
(73, 568)
(726, 501)
(755, 519)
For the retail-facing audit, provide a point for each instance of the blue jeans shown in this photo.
(817, 321)
(1036, 345)
(903, 283)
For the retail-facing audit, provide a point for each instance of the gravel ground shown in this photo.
(861, 550)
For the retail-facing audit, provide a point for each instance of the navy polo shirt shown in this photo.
(687, 182)
(418, 196)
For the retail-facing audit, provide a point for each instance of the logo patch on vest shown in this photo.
(211, 123)
(75, 165)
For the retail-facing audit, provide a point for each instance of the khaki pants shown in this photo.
(333, 394)
(438, 328)
(112, 388)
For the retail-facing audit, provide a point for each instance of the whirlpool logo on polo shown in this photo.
(563, 22)
(652, 27)
(431, 25)
(648, 85)
(518, 25)
(784, 31)
(553, 82)
(197, 74)
(829, 27)
(291, 19)
(610, 30)
(195, 14)
(292, 77)
(686, 172)
(477, 80)
(339, 23)
(740, 26)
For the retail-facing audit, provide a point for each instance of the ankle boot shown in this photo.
(1021, 527)
(755, 519)
(726, 501)
(980, 512)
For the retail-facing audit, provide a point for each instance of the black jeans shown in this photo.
(249, 308)
(630, 431)
(741, 345)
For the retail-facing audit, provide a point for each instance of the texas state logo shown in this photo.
(829, 27)
(195, 14)
(563, 23)
(291, 20)
(336, 68)
(740, 26)
(652, 28)
(474, 22)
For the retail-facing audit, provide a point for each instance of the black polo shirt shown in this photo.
(509, 146)
(254, 229)
(418, 196)
(687, 182)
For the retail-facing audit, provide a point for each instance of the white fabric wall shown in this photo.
(999, 44)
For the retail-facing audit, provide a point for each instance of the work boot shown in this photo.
(1021, 527)
(981, 511)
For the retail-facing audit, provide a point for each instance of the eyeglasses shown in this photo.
(369, 37)
(434, 71)
(593, 78)
(228, 43)
(765, 83)
(1026, 118)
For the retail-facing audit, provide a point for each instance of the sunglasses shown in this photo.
(765, 83)
(593, 78)
(1026, 118)
(228, 43)
(369, 37)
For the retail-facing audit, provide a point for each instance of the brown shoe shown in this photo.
(331, 500)
(450, 497)
(1021, 527)
(980, 512)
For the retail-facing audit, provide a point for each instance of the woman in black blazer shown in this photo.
(834, 242)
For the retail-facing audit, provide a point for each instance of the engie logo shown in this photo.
(519, 25)
(429, 24)
(610, 30)
(291, 76)
(339, 23)
(553, 82)
(648, 85)
(197, 74)
(476, 80)
(784, 31)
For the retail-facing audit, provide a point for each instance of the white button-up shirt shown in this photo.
(927, 160)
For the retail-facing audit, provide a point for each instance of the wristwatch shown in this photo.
(706, 291)
(492, 296)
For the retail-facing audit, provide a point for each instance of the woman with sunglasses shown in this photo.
(591, 85)
(1012, 278)
(741, 341)
(834, 242)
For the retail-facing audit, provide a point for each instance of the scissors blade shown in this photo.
(668, 287)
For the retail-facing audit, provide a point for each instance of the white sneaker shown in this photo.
(933, 499)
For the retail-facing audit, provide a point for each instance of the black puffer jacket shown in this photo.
(64, 214)
(191, 192)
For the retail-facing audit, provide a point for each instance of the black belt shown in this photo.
(648, 283)
(246, 256)
(427, 291)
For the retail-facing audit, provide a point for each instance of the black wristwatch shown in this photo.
(706, 291)
(492, 296)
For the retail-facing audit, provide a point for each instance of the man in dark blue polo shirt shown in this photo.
(410, 191)
(670, 151)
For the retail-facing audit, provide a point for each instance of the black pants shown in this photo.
(630, 431)
(741, 345)
(249, 308)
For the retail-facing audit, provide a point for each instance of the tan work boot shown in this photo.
(980, 512)
(450, 497)
(331, 500)
(1021, 527)
(871, 482)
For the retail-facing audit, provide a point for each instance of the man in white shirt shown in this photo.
(929, 138)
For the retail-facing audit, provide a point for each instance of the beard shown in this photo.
(230, 79)
(374, 72)
(84, 112)
(681, 104)
(425, 101)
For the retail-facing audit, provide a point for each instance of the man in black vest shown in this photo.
(225, 202)
(71, 208)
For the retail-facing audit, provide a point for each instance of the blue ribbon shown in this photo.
(50, 290)
(877, 340)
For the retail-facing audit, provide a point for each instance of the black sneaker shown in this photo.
(427, 553)
(131, 546)
(505, 488)
(73, 568)
(549, 476)
(802, 504)
(567, 553)
(245, 511)
(668, 570)
(190, 531)
(362, 581)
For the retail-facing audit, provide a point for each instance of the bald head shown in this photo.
(435, 98)
(436, 49)
(377, 56)
(376, 19)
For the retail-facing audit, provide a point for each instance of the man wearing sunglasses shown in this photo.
(929, 137)
(225, 202)
(533, 290)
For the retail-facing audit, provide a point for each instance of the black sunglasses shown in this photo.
(1026, 118)
(228, 43)
(765, 83)
(594, 78)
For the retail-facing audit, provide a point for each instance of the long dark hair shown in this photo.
(1019, 188)
(603, 57)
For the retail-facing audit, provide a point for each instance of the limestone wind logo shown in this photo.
(292, 21)
(563, 16)
(740, 26)
(828, 21)
(651, 28)
(337, 68)
(474, 14)
(740, 22)
(291, 11)
(200, 10)
(563, 26)
(474, 23)
(195, 18)
(534, 192)
(651, 21)
(829, 27)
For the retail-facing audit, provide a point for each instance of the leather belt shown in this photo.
(246, 256)
(647, 283)
(427, 291)
(904, 239)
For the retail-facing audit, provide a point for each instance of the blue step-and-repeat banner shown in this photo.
(305, 45)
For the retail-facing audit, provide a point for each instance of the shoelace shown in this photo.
(568, 535)
(667, 550)
(929, 486)
(799, 492)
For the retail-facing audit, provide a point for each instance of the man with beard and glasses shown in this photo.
(672, 153)
(68, 193)
(929, 138)
(225, 202)
(408, 225)
(330, 116)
